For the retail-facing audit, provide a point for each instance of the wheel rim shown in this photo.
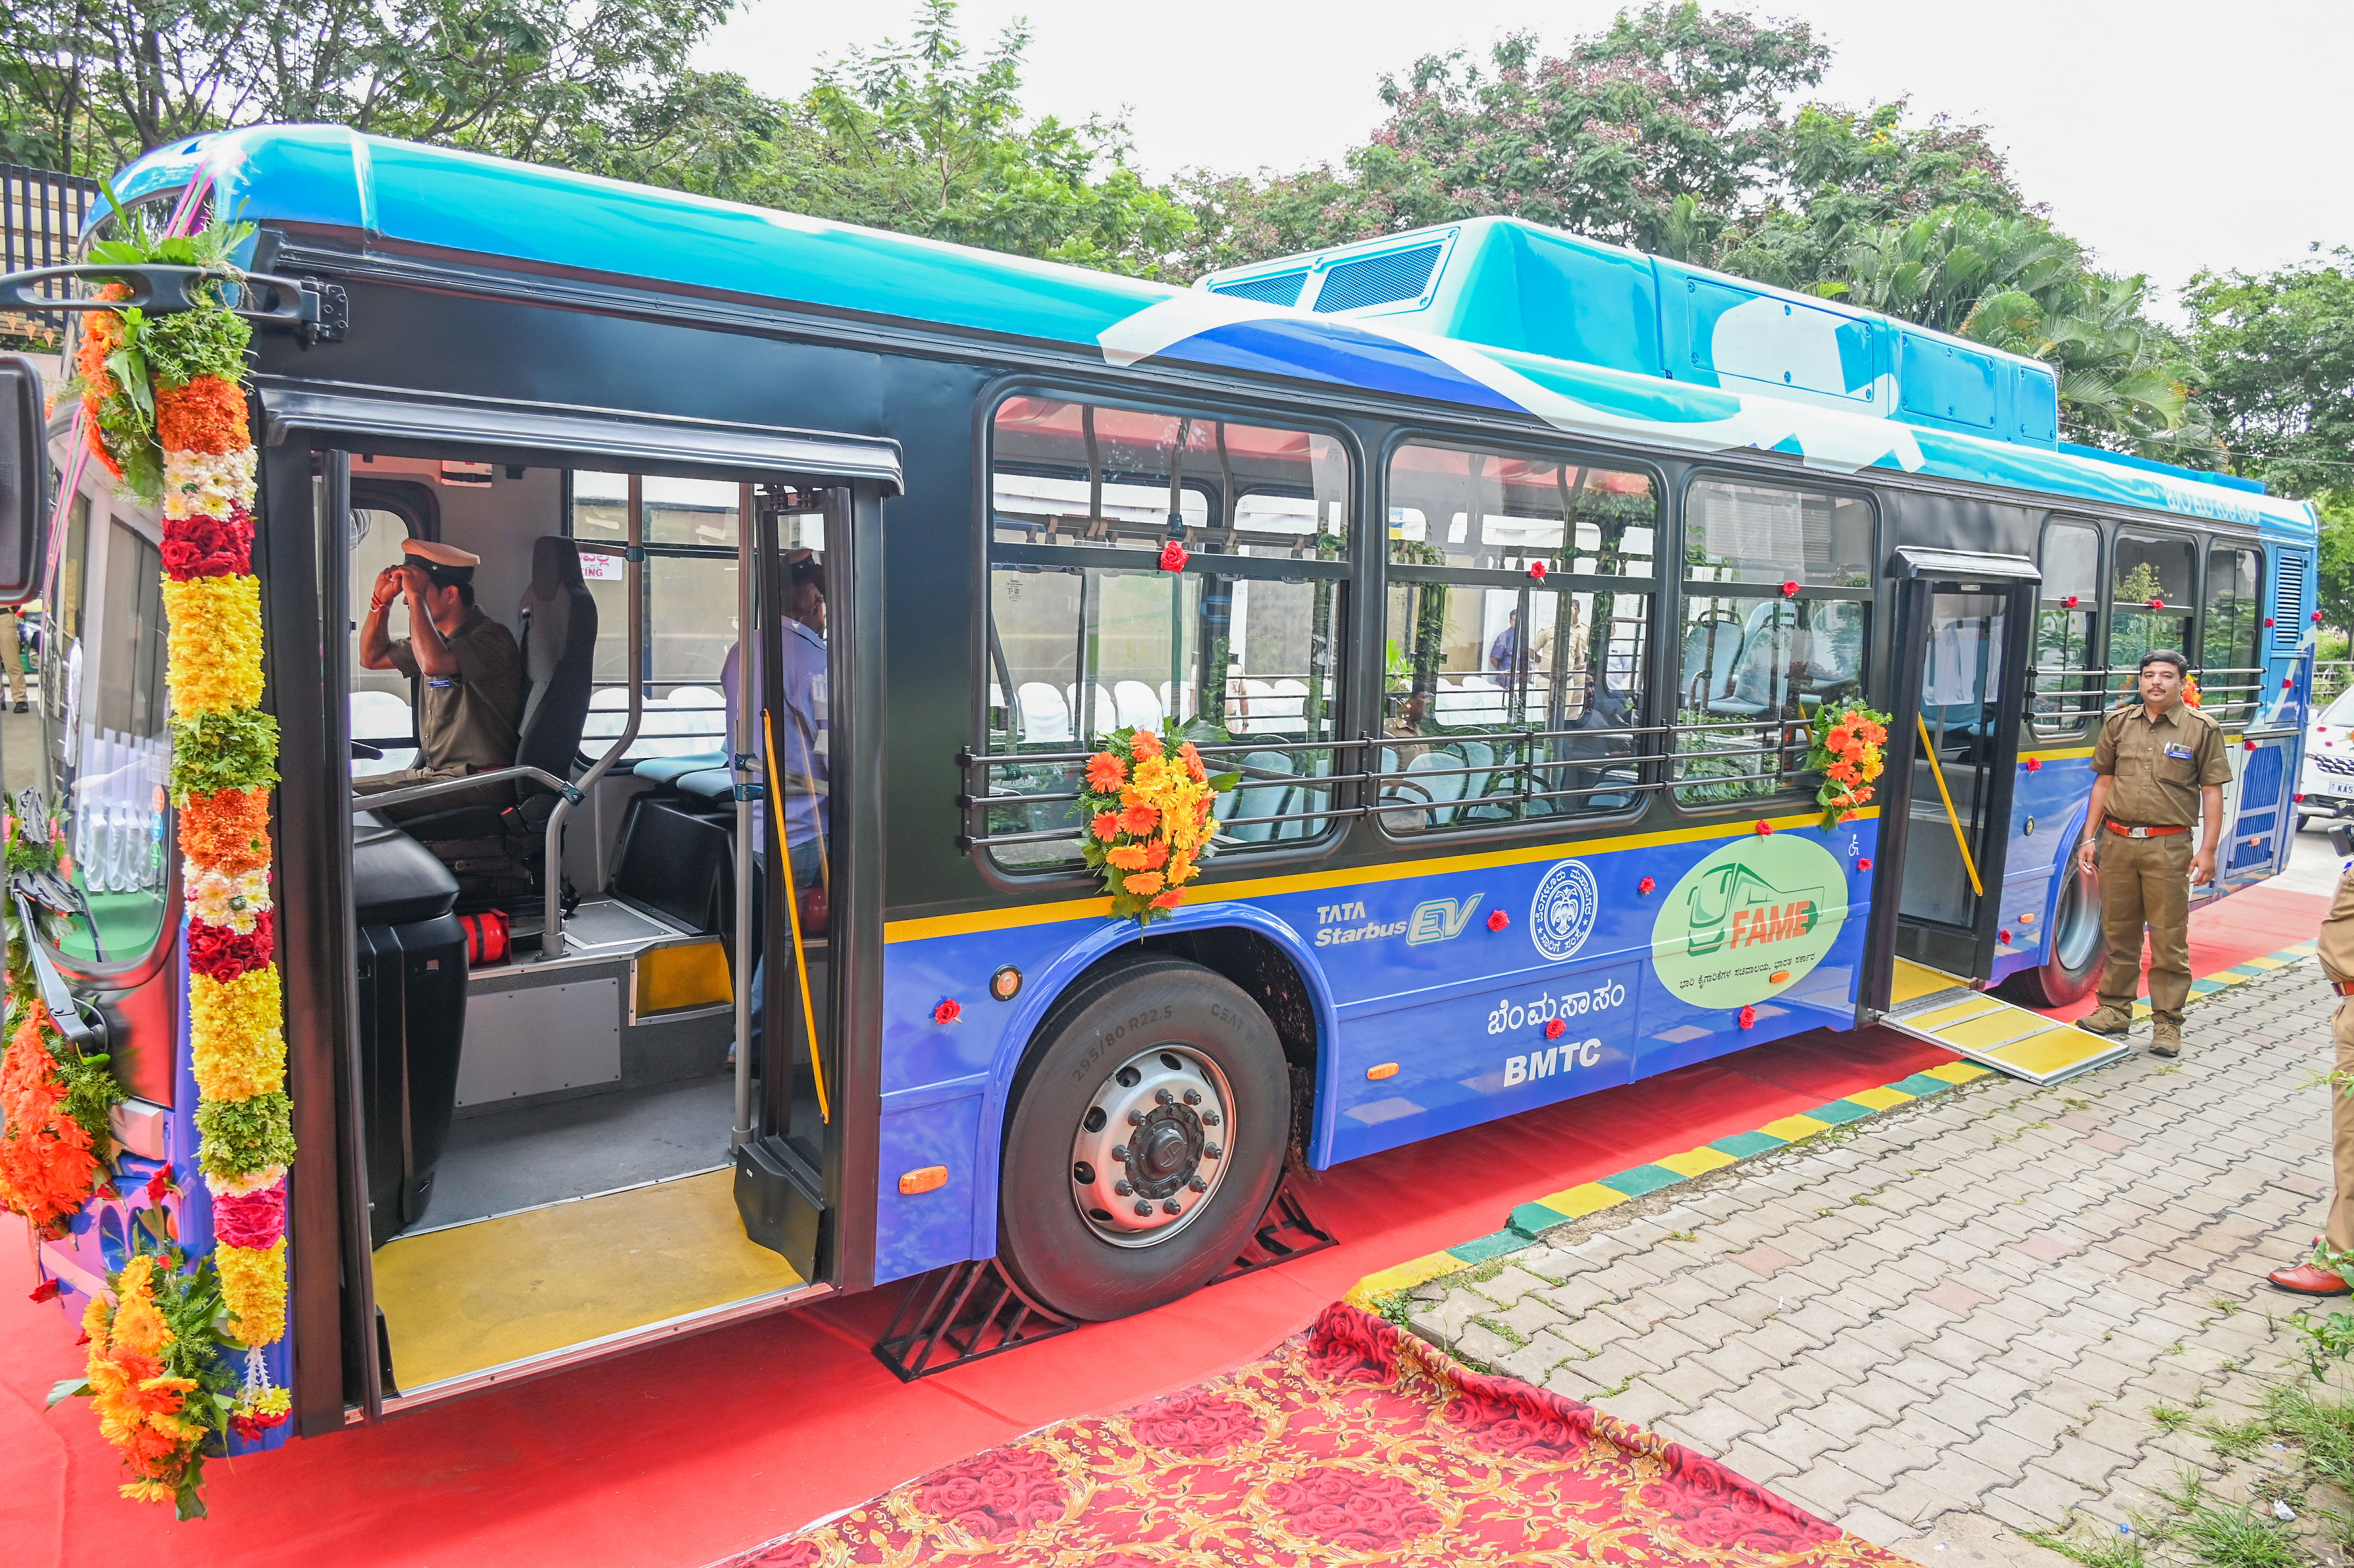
(1151, 1149)
(2075, 925)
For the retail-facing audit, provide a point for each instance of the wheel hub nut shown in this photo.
(1163, 1169)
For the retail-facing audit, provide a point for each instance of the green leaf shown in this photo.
(1221, 782)
(68, 1388)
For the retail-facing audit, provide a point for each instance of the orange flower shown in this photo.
(1128, 857)
(1138, 820)
(1193, 760)
(228, 832)
(1839, 739)
(1156, 855)
(206, 415)
(1170, 899)
(1842, 771)
(1106, 772)
(1144, 743)
(1143, 883)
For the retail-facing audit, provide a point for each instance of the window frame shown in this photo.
(1330, 830)
(2097, 657)
(2174, 530)
(2251, 703)
(1385, 574)
(1871, 595)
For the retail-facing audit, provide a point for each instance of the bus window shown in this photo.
(1776, 591)
(690, 606)
(1088, 633)
(2229, 674)
(2067, 682)
(2151, 604)
(108, 748)
(1512, 697)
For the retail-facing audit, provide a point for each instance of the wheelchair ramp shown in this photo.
(1931, 1005)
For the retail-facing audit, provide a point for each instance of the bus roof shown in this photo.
(449, 199)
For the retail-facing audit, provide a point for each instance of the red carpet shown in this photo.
(1353, 1442)
(2248, 925)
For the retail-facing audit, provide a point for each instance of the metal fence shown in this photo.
(41, 213)
(2330, 677)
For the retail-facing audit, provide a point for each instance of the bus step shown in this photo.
(1930, 1005)
(963, 1313)
(1285, 1231)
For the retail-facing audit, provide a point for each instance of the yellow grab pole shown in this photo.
(793, 912)
(1946, 795)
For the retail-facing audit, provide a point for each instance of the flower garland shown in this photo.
(1147, 799)
(55, 1134)
(159, 1390)
(164, 398)
(1846, 750)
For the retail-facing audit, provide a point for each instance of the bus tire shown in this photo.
(1178, 1062)
(2072, 950)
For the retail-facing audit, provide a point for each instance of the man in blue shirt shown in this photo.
(801, 763)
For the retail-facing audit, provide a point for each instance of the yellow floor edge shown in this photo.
(479, 1296)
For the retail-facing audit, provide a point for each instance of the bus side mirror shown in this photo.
(24, 478)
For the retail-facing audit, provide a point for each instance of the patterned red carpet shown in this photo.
(1354, 1443)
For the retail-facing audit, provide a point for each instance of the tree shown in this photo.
(923, 139)
(2279, 349)
(87, 85)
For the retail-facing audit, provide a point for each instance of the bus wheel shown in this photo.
(1147, 1134)
(2072, 950)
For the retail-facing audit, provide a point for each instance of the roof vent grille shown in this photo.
(1382, 280)
(1274, 289)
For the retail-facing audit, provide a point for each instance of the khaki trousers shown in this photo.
(2145, 882)
(2341, 1232)
(12, 655)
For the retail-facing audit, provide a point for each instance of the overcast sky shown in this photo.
(2167, 135)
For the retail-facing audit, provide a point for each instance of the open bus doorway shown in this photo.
(1946, 827)
(553, 1092)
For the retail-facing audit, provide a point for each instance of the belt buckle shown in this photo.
(2138, 832)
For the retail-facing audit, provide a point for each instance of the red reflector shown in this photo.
(924, 1180)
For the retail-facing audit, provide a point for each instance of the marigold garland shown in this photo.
(1147, 798)
(195, 450)
(1846, 751)
(155, 1376)
(55, 1134)
(235, 1048)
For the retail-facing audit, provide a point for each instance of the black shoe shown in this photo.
(24, 707)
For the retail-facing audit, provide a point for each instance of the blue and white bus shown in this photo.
(1515, 567)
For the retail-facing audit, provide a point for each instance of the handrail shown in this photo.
(551, 940)
(414, 792)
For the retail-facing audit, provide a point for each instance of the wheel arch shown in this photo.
(1245, 945)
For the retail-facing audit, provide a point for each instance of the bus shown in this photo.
(1507, 570)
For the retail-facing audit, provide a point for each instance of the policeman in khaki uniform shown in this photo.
(470, 710)
(2158, 769)
(2325, 1274)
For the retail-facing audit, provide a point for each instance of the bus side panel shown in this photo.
(2047, 817)
(1743, 938)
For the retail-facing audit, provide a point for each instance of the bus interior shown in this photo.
(550, 1123)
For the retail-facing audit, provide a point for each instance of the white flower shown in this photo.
(260, 1180)
(204, 484)
(230, 901)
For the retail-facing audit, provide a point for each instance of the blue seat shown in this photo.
(670, 769)
(708, 784)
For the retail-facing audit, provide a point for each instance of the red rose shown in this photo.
(1172, 557)
(1748, 1017)
(1537, 570)
(948, 1011)
(1863, 862)
(1498, 920)
(1764, 828)
(1645, 886)
(253, 1220)
(1556, 1029)
(1348, 1344)
(1789, 590)
(221, 954)
(47, 1290)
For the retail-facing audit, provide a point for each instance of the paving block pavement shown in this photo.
(1990, 1311)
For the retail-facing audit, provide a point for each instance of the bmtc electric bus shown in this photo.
(1512, 570)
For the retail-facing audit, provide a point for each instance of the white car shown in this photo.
(2325, 788)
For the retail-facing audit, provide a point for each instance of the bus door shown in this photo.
(1962, 631)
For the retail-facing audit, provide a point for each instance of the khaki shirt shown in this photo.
(467, 722)
(2335, 946)
(2159, 767)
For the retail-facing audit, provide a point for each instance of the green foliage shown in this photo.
(188, 344)
(92, 1090)
(2279, 349)
(237, 1137)
(223, 748)
(2097, 1548)
(2327, 1340)
(2233, 1535)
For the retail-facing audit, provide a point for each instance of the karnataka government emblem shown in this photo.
(1560, 915)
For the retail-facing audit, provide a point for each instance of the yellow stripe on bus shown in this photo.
(919, 928)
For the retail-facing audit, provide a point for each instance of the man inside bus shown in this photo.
(2157, 770)
(471, 706)
(800, 764)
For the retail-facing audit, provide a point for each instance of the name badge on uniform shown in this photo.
(439, 682)
(2180, 753)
